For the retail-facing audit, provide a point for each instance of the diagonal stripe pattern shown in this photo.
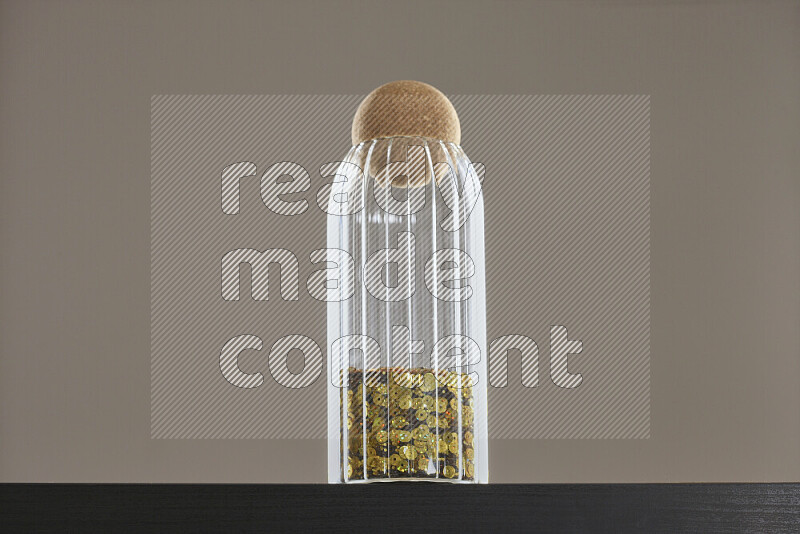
(567, 199)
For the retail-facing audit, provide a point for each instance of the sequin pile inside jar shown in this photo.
(419, 425)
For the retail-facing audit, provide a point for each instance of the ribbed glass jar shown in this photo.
(407, 372)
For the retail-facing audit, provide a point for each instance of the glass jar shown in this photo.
(407, 379)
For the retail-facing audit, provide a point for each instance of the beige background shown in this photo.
(75, 86)
(579, 180)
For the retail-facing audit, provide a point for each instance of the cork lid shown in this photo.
(406, 108)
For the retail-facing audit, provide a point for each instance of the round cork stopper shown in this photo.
(406, 108)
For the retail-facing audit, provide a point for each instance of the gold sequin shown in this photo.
(403, 380)
(404, 402)
(408, 451)
(429, 382)
(422, 432)
(469, 470)
(449, 471)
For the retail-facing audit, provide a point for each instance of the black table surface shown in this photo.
(401, 507)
